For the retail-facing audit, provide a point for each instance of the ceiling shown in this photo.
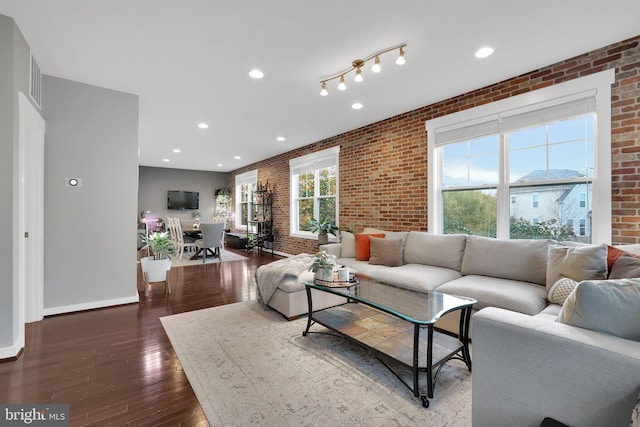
(189, 61)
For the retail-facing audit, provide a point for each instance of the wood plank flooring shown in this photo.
(115, 366)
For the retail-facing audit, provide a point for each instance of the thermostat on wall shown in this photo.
(73, 182)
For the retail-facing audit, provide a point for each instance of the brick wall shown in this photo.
(383, 166)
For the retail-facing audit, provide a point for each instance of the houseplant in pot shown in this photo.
(155, 267)
(322, 266)
(323, 228)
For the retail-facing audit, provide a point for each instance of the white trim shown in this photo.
(12, 350)
(250, 177)
(584, 86)
(321, 158)
(91, 305)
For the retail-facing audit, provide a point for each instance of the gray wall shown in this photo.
(155, 182)
(14, 78)
(90, 232)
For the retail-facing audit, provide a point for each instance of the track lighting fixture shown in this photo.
(357, 65)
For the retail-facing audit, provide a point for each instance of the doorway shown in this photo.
(30, 304)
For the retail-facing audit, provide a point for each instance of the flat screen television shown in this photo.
(181, 200)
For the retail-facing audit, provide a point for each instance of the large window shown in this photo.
(314, 190)
(245, 184)
(530, 166)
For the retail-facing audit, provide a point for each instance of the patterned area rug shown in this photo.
(247, 365)
(225, 255)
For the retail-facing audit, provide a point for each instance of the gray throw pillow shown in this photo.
(385, 251)
(588, 262)
(627, 266)
(608, 306)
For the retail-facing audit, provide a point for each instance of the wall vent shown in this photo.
(35, 82)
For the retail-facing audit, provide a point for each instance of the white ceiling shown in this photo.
(189, 60)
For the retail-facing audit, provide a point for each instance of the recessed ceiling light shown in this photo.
(256, 74)
(357, 106)
(165, 160)
(237, 157)
(219, 165)
(177, 150)
(280, 138)
(203, 125)
(483, 52)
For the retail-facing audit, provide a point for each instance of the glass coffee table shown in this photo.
(396, 323)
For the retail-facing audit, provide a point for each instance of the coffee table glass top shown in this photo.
(423, 308)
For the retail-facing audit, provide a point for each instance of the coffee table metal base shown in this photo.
(418, 347)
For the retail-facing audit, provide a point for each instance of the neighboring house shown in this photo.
(569, 203)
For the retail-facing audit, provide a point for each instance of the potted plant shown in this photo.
(156, 266)
(322, 266)
(323, 228)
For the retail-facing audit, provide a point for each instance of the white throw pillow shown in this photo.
(561, 290)
(608, 306)
(579, 263)
(348, 244)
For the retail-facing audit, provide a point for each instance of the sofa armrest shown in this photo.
(527, 368)
(332, 249)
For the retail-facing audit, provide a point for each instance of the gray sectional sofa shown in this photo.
(509, 274)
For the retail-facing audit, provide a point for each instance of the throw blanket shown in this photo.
(269, 276)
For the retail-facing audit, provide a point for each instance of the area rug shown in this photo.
(249, 366)
(224, 256)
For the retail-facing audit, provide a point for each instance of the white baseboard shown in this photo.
(13, 350)
(90, 305)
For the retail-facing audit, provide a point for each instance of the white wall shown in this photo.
(155, 182)
(90, 232)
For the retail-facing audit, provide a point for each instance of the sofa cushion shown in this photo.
(561, 290)
(516, 259)
(608, 306)
(587, 262)
(437, 250)
(348, 241)
(362, 245)
(409, 276)
(385, 251)
(627, 266)
(523, 297)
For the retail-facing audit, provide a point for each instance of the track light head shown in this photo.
(400, 60)
(376, 67)
(324, 92)
(358, 77)
(342, 86)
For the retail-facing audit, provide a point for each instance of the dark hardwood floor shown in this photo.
(116, 366)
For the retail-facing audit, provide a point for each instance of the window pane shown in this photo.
(454, 172)
(571, 156)
(527, 138)
(244, 214)
(470, 211)
(327, 208)
(305, 184)
(305, 213)
(328, 181)
(483, 169)
(580, 128)
(528, 165)
(558, 208)
(471, 162)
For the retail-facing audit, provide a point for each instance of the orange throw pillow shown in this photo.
(362, 246)
(613, 254)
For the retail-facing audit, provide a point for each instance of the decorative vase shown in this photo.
(325, 275)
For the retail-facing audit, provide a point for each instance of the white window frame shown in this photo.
(310, 162)
(250, 178)
(535, 202)
(598, 84)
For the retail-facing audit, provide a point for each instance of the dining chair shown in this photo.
(211, 240)
(181, 242)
